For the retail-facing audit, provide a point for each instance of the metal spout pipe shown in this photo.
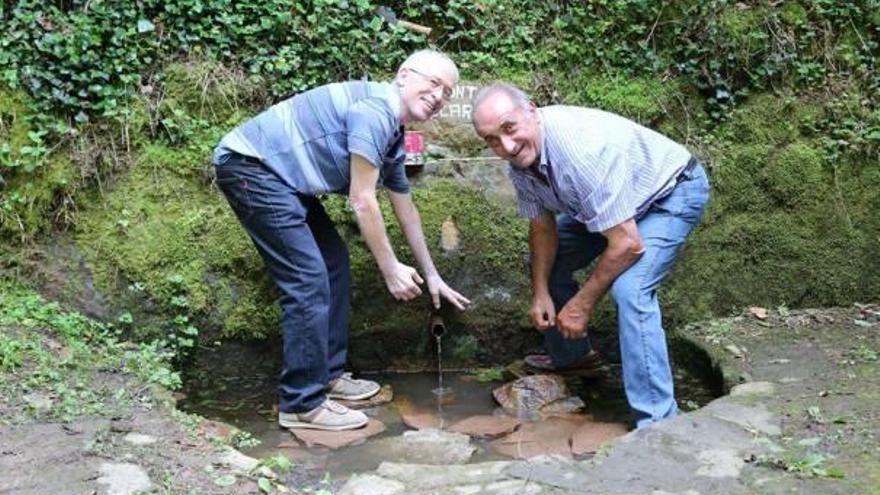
(437, 327)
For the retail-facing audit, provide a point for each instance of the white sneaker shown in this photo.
(330, 416)
(347, 388)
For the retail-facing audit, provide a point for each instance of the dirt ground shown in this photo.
(824, 365)
(117, 431)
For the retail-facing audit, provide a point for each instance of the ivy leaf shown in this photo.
(145, 26)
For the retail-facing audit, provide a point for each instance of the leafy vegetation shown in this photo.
(60, 365)
(108, 113)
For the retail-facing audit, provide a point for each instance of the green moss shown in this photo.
(174, 235)
(210, 91)
(31, 186)
(735, 178)
(13, 116)
(793, 13)
(739, 25)
(766, 119)
(796, 176)
(642, 99)
(464, 348)
(768, 259)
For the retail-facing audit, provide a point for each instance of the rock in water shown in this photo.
(525, 397)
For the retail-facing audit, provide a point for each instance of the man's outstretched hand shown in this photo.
(403, 282)
(439, 290)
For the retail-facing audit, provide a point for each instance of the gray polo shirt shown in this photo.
(308, 139)
(598, 167)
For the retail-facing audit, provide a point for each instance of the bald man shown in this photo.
(341, 138)
(595, 185)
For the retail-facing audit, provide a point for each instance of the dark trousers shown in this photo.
(309, 263)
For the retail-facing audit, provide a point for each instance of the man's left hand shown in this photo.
(573, 319)
(438, 288)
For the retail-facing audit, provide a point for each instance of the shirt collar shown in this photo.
(543, 162)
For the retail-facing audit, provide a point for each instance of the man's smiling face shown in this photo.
(512, 131)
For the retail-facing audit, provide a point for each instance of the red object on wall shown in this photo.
(414, 145)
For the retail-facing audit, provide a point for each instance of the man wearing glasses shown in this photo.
(343, 138)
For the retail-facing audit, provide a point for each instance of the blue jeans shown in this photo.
(310, 266)
(647, 376)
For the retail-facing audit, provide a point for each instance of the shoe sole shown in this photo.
(312, 426)
(365, 395)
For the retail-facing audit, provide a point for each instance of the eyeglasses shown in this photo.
(435, 83)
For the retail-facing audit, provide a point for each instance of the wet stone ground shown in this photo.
(236, 385)
(801, 417)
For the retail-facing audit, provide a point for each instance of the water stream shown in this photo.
(440, 391)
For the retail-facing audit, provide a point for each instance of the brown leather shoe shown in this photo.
(589, 366)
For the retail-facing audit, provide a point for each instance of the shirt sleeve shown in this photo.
(610, 201)
(369, 130)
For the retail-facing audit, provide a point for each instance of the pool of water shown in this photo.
(236, 384)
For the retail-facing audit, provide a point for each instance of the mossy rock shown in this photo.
(169, 233)
(166, 232)
(31, 186)
(210, 91)
(487, 267)
(735, 178)
(771, 119)
(796, 176)
(643, 99)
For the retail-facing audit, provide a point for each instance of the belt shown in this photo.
(666, 190)
(241, 159)
(691, 164)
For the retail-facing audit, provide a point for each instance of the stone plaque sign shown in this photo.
(459, 107)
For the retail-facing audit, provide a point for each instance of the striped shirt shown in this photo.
(598, 167)
(308, 139)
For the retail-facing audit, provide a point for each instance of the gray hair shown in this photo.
(519, 98)
(428, 58)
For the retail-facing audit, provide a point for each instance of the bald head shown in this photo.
(430, 62)
(515, 95)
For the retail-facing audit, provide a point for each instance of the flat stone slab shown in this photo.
(139, 439)
(418, 479)
(425, 476)
(123, 478)
(754, 389)
(427, 447)
(486, 426)
(551, 436)
(422, 420)
(674, 455)
(591, 435)
(753, 417)
(370, 484)
(337, 439)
